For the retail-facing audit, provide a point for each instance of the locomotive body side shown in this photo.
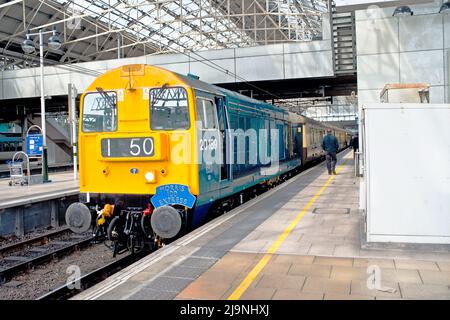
(248, 157)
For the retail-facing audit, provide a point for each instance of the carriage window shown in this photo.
(100, 112)
(207, 114)
(169, 109)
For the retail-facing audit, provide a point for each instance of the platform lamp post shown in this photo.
(29, 48)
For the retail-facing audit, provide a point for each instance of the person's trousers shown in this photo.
(331, 162)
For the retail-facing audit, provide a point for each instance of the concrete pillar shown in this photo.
(54, 216)
(19, 231)
(326, 26)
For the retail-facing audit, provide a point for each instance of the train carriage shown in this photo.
(159, 152)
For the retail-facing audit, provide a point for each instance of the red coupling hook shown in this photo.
(148, 211)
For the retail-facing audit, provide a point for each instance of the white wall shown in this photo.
(403, 50)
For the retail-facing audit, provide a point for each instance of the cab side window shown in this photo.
(207, 113)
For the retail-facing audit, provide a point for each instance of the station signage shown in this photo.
(35, 145)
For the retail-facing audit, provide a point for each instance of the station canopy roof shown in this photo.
(106, 29)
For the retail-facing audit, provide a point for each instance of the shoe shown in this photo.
(334, 172)
(329, 173)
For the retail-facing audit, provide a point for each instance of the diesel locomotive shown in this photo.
(161, 153)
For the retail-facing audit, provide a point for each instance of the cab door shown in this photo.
(297, 141)
(208, 148)
(224, 142)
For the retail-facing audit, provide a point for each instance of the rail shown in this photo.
(38, 255)
(88, 280)
(44, 238)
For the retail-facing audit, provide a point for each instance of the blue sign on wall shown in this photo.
(171, 194)
(34, 145)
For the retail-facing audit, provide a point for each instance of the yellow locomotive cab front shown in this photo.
(137, 131)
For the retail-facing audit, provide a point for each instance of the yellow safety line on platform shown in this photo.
(239, 291)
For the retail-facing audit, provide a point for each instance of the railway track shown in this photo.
(25, 255)
(44, 238)
(44, 248)
(87, 280)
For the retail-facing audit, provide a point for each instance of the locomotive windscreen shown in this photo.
(169, 109)
(100, 112)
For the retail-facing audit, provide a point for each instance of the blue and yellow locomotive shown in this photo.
(160, 153)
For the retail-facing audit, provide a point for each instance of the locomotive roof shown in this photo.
(200, 85)
(204, 86)
(242, 97)
(216, 90)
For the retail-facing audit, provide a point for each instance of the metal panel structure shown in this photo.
(231, 65)
(336, 109)
(393, 49)
(347, 5)
(407, 172)
(222, 41)
(106, 29)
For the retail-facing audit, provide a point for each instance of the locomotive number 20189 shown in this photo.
(128, 147)
(208, 144)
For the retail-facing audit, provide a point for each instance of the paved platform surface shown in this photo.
(300, 240)
(62, 185)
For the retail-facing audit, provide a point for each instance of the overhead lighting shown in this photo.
(28, 45)
(445, 8)
(53, 42)
(403, 11)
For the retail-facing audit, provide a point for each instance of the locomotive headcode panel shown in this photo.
(128, 147)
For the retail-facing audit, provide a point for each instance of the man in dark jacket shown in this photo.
(330, 145)
(355, 143)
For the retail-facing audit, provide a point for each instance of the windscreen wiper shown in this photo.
(108, 99)
(161, 91)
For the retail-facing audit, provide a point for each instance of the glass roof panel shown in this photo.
(208, 24)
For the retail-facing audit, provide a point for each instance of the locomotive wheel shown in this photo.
(146, 226)
(113, 229)
(113, 235)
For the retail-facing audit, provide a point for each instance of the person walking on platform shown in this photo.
(355, 143)
(330, 145)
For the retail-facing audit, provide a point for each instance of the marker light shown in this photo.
(150, 177)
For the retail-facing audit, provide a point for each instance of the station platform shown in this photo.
(300, 240)
(62, 184)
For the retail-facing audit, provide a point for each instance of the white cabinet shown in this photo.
(407, 172)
